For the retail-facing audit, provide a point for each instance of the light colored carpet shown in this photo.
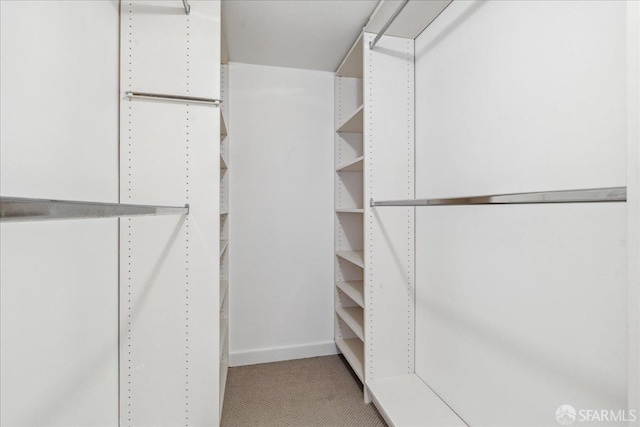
(319, 391)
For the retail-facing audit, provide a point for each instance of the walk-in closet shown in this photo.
(353, 213)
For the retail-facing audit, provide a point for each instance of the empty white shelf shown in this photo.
(223, 126)
(356, 165)
(354, 318)
(354, 257)
(355, 123)
(223, 162)
(353, 350)
(223, 246)
(350, 210)
(224, 287)
(352, 64)
(354, 290)
(406, 400)
(224, 330)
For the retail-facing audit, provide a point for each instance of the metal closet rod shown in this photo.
(373, 43)
(175, 98)
(187, 8)
(25, 209)
(591, 195)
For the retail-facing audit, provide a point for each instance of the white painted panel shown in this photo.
(59, 139)
(633, 198)
(521, 309)
(281, 142)
(389, 233)
(170, 299)
(521, 96)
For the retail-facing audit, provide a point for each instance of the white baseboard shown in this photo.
(277, 354)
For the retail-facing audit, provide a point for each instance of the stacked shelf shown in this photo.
(224, 232)
(349, 210)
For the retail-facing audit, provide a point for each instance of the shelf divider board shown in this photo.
(354, 318)
(356, 165)
(405, 400)
(350, 211)
(354, 289)
(352, 64)
(354, 257)
(223, 246)
(355, 123)
(353, 350)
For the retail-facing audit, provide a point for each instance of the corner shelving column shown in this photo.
(349, 211)
(224, 231)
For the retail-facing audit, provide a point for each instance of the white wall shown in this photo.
(521, 309)
(59, 136)
(281, 219)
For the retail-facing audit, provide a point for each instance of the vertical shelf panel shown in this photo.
(389, 287)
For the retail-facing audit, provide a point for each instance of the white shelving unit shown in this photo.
(224, 224)
(389, 295)
(350, 336)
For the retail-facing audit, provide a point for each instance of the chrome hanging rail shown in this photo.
(174, 98)
(187, 8)
(373, 43)
(593, 195)
(24, 209)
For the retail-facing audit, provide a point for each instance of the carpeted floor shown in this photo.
(319, 391)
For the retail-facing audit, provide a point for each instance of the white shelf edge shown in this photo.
(352, 211)
(405, 400)
(356, 165)
(354, 318)
(354, 257)
(353, 350)
(223, 162)
(224, 212)
(353, 61)
(355, 123)
(354, 289)
(223, 126)
(223, 246)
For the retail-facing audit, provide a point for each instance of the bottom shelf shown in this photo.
(353, 350)
(406, 400)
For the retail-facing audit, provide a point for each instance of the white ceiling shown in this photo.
(314, 35)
